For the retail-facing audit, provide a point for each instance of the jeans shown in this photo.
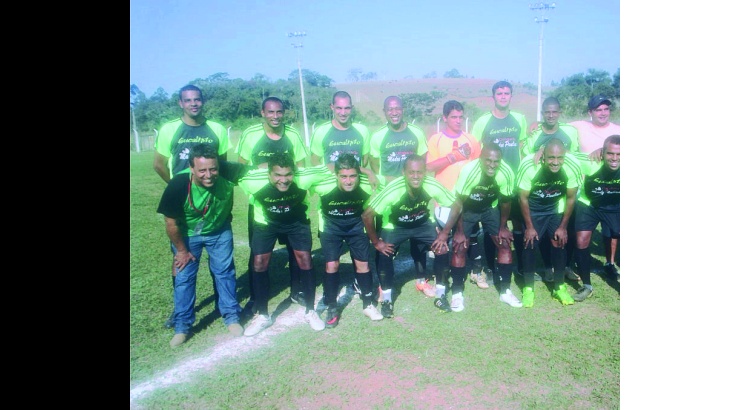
(220, 249)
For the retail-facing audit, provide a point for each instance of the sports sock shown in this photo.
(262, 288)
(505, 273)
(308, 284)
(331, 288)
(583, 259)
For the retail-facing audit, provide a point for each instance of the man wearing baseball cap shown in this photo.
(591, 134)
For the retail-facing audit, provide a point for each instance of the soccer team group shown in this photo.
(554, 182)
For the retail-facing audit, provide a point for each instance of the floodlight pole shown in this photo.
(542, 8)
(135, 130)
(301, 87)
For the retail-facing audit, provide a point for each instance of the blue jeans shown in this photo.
(220, 249)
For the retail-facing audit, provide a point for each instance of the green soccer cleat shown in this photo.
(561, 294)
(528, 297)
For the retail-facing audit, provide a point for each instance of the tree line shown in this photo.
(235, 102)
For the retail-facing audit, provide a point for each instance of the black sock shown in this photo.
(441, 269)
(459, 277)
(583, 259)
(518, 245)
(365, 285)
(294, 272)
(331, 288)
(262, 288)
(504, 276)
(490, 251)
(558, 262)
(308, 284)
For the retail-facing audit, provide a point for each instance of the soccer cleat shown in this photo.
(537, 278)
(549, 275)
(372, 312)
(178, 339)
(258, 323)
(528, 297)
(583, 294)
(561, 294)
(235, 329)
(511, 299)
(332, 318)
(611, 271)
(571, 275)
(316, 323)
(425, 287)
(480, 279)
(442, 304)
(386, 308)
(298, 298)
(457, 303)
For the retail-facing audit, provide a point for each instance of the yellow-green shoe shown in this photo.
(561, 294)
(527, 300)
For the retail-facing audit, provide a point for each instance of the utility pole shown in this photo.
(301, 34)
(135, 130)
(541, 9)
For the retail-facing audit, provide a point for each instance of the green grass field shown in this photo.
(488, 356)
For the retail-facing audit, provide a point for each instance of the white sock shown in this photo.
(458, 295)
(439, 291)
(387, 295)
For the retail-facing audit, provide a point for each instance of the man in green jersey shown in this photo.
(568, 135)
(547, 193)
(505, 128)
(197, 208)
(280, 202)
(342, 199)
(405, 207)
(257, 143)
(486, 188)
(340, 136)
(177, 138)
(389, 147)
(599, 203)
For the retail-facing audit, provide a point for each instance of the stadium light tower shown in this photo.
(541, 9)
(301, 34)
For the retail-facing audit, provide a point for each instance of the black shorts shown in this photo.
(489, 218)
(298, 235)
(423, 235)
(587, 218)
(546, 225)
(332, 245)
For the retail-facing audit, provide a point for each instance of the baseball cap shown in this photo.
(598, 100)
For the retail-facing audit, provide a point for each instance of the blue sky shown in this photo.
(173, 42)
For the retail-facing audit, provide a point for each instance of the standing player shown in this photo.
(389, 147)
(485, 188)
(280, 203)
(342, 200)
(547, 194)
(505, 128)
(599, 202)
(404, 205)
(257, 143)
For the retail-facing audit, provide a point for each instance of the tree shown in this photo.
(452, 74)
(417, 106)
(353, 74)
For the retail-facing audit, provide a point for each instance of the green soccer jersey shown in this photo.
(338, 208)
(400, 210)
(508, 133)
(392, 148)
(272, 205)
(601, 185)
(199, 210)
(255, 146)
(329, 142)
(547, 189)
(479, 191)
(175, 139)
(566, 133)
